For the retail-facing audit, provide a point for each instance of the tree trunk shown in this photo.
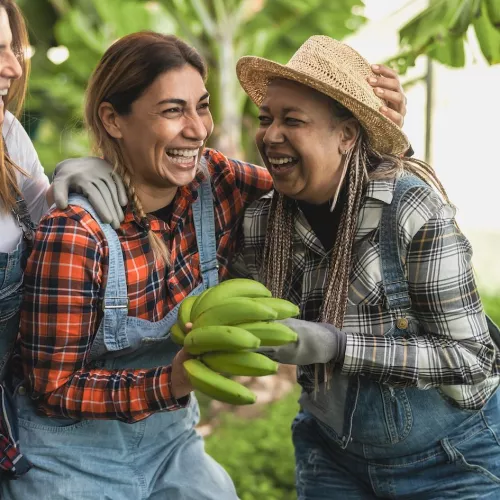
(230, 119)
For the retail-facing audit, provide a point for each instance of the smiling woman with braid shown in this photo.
(395, 356)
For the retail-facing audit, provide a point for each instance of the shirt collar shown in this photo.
(381, 189)
(183, 198)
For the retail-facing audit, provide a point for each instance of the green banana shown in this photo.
(184, 315)
(176, 334)
(197, 303)
(463, 17)
(239, 287)
(284, 308)
(216, 386)
(493, 10)
(270, 333)
(252, 364)
(234, 311)
(219, 338)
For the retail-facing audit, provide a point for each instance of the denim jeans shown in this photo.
(464, 465)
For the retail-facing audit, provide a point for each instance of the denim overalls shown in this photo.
(362, 437)
(160, 457)
(12, 462)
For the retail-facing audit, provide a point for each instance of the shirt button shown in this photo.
(22, 391)
(171, 286)
(402, 323)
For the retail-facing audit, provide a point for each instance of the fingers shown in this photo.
(188, 326)
(98, 201)
(387, 86)
(380, 69)
(60, 191)
(393, 115)
(395, 100)
(120, 187)
(109, 186)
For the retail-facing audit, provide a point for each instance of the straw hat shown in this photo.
(337, 70)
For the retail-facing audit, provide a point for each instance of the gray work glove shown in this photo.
(94, 178)
(316, 343)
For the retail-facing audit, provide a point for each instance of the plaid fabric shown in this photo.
(447, 344)
(12, 462)
(65, 282)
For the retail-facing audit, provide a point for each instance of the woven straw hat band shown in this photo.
(337, 70)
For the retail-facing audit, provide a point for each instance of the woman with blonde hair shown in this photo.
(24, 197)
(395, 356)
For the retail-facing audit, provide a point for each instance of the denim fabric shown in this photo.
(362, 439)
(160, 457)
(13, 463)
(462, 465)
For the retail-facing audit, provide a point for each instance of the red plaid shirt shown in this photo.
(64, 286)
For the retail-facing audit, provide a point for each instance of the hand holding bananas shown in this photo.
(230, 321)
(316, 343)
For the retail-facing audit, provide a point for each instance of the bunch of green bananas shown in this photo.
(229, 321)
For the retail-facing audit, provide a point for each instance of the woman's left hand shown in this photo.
(388, 87)
(316, 343)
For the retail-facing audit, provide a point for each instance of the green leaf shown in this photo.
(428, 25)
(450, 52)
(488, 37)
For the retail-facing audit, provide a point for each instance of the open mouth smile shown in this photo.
(281, 165)
(185, 157)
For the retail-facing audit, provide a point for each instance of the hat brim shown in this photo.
(255, 73)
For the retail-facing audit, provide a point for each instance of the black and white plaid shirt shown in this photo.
(447, 344)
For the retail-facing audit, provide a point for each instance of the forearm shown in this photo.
(422, 361)
(126, 395)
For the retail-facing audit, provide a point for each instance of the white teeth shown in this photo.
(179, 159)
(183, 152)
(280, 161)
(4, 91)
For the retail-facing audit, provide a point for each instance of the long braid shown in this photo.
(158, 245)
(277, 256)
(363, 165)
(337, 284)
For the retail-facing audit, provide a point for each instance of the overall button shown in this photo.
(402, 323)
(22, 391)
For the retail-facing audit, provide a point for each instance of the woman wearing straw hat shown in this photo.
(395, 355)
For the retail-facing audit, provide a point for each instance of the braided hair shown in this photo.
(363, 164)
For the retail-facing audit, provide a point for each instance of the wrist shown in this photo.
(178, 398)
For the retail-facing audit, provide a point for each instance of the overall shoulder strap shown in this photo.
(112, 331)
(204, 221)
(393, 276)
(21, 213)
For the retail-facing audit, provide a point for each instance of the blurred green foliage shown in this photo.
(221, 30)
(258, 453)
(443, 29)
(492, 307)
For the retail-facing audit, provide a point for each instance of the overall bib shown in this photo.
(160, 457)
(396, 442)
(12, 462)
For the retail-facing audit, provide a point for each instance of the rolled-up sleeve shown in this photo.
(59, 321)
